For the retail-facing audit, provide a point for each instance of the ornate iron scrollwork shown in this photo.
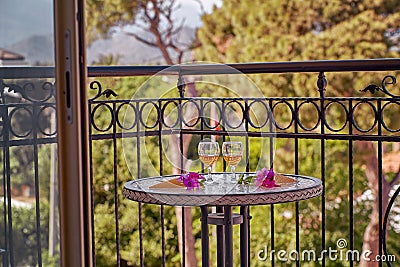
(22, 92)
(372, 88)
(96, 85)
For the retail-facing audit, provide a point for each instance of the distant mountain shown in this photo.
(130, 51)
(127, 49)
(39, 49)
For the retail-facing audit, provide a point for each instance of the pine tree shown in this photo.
(284, 30)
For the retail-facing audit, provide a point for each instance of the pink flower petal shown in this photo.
(191, 180)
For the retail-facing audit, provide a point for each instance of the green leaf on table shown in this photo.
(246, 180)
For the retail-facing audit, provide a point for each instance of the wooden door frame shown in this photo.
(72, 134)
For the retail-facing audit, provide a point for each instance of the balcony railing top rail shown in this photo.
(384, 64)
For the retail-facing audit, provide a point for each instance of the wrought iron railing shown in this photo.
(320, 122)
(27, 106)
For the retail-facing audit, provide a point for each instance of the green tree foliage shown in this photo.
(25, 236)
(103, 15)
(245, 31)
(267, 31)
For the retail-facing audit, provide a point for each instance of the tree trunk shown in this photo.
(189, 248)
(371, 234)
(152, 16)
(175, 156)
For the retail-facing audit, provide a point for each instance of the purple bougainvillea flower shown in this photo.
(195, 176)
(191, 184)
(259, 180)
(270, 175)
(191, 180)
(265, 178)
(269, 184)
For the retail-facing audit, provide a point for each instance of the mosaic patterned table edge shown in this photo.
(225, 200)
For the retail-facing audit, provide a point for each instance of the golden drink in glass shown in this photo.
(232, 152)
(208, 154)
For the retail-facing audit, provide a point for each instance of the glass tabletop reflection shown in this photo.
(164, 190)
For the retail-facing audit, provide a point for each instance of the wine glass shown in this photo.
(208, 154)
(232, 152)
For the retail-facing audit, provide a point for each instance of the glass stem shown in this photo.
(209, 178)
(233, 169)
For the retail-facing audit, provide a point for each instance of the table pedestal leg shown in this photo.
(205, 247)
(228, 236)
(224, 219)
(244, 237)
(220, 241)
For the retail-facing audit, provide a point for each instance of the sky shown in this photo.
(190, 10)
(21, 18)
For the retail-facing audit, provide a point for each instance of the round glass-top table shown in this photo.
(163, 190)
(151, 190)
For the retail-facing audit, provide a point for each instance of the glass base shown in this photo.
(209, 181)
